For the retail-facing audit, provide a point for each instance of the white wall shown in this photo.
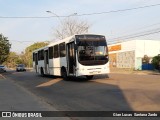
(150, 48)
(125, 46)
(128, 46)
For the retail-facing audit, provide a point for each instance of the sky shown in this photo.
(23, 32)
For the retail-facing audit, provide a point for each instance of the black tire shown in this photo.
(89, 77)
(64, 74)
(42, 72)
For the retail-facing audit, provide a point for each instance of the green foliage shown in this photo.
(35, 46)
(27, 56)
(24, 58)
(4, 48)
(156, 61)
(12, 60)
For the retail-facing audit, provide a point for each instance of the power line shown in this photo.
(142, 27)
(88, 14)
(121, 10)
(145, 33)
(27, 41)
(26, 17)
(148, 26)
(135, 34)
(140, 34)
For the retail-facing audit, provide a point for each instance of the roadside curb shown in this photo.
(139, 73)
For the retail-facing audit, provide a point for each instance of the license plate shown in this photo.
(94, 72)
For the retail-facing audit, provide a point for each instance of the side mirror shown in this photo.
(107, 58)
(75, 46)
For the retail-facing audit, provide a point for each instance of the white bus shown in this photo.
(78, 55)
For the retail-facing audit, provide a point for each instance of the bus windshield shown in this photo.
(92, 51)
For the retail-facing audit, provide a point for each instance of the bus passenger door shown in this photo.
(71, 59)
(36, 62)
(46, 62)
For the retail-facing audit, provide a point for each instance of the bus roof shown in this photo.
(66, 40)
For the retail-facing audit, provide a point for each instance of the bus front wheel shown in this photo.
(89, 77)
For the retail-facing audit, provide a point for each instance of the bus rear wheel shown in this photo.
(89, 77)
(64, 74)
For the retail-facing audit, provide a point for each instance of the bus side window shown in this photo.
(56, 51)
(36, 58)
(39, 55)
(50, 52)
(42, 54)
(62, 49)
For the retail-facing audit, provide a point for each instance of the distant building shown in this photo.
(133, 53)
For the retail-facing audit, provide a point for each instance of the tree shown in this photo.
(71, 26)
(27, 55)
(4, 48)
(145, 59)
(156, 61)
(12, 60)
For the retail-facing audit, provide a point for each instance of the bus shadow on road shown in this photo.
(57, 79)
(84, 79)
(87, 93)
(79, 79)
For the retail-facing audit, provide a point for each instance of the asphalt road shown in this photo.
(115, 92)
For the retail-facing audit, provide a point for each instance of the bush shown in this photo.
(156, 61)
